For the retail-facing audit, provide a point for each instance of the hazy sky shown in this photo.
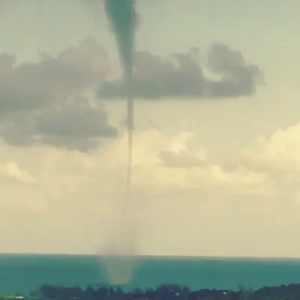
(216, 166)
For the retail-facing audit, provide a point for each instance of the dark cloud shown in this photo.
(40, 102)
(181, 75)
(237, 77)
(32, 85)
(76, 125)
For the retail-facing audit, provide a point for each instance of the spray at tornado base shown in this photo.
(122, 241)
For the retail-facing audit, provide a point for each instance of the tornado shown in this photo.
(122, 16)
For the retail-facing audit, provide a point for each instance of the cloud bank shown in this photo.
(48, 102)
(42, 102)
(181, 76)
(259, 186)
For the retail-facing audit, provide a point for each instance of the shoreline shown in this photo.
(161, 292)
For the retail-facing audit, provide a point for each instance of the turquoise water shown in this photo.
(24, 273)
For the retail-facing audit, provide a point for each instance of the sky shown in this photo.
(216, 163)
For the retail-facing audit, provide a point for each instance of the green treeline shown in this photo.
(162, 292)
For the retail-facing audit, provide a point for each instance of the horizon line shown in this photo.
(214, 257)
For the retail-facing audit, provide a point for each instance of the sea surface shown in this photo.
(24, 273)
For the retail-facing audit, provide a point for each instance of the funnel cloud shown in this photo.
(122, 15)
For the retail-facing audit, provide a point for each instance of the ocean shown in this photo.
(24, 273)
